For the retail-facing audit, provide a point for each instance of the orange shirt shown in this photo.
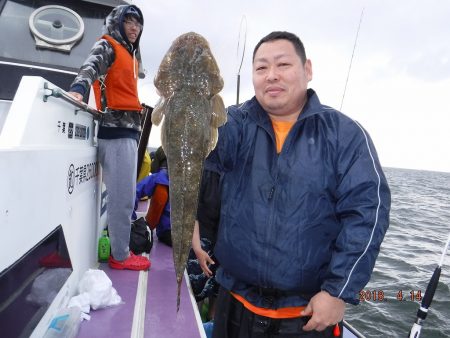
(285, 312)
(281, 129)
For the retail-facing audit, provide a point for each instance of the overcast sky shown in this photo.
(399, 83)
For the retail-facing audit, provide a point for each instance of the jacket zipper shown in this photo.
(271, 193)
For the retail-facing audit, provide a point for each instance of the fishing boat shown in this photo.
(52, 200)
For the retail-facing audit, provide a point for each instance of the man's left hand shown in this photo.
(325, 310)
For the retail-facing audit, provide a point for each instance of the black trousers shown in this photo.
(233, 320)
(166, 238)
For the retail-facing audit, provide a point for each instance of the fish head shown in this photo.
(189, 63)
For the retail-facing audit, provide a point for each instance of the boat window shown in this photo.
(29, 286)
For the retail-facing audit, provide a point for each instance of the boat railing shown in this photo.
(351, 331)
(59, 93)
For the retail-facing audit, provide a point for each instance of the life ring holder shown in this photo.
(59, 25)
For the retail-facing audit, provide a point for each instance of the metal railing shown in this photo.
(59, 93)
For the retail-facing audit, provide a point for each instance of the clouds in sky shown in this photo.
(399, 83)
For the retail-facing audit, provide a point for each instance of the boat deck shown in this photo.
(160, 318)
(149, 302)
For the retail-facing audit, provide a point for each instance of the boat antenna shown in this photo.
(242, 30)
(351, 60)
(428, 297)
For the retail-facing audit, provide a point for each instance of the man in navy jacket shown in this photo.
(304, 204)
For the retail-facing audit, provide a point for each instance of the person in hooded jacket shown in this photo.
(156, 187)
(304, 205)
(112, 68)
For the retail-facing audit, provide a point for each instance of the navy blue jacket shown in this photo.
(307, 219)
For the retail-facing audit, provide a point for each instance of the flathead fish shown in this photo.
(188, 82)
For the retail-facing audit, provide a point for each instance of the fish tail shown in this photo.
(178, 294)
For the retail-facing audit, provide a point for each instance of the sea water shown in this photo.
(419, 228)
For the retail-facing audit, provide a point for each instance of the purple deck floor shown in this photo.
(161, 317)
(115, 321)
(142, 207)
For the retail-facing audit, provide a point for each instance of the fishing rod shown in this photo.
(428, 297)
(351, 59)
(243, 21)
(145, 134)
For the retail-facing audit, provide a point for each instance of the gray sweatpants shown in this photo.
(118, 158)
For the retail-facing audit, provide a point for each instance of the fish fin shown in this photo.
(218, 117)
(214, 134)
(159, 111)
(219, 114)
(163, 144)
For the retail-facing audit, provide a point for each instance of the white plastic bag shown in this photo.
(99, 288)
(83, 301)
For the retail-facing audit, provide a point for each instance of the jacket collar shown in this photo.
(254, 110)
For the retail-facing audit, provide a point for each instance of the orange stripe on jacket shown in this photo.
(157, 204)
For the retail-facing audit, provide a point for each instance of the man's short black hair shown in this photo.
(278, 35)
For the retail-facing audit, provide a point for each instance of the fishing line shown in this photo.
(441, 262)
(351, 60)
(428, 297)
(241, 27)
